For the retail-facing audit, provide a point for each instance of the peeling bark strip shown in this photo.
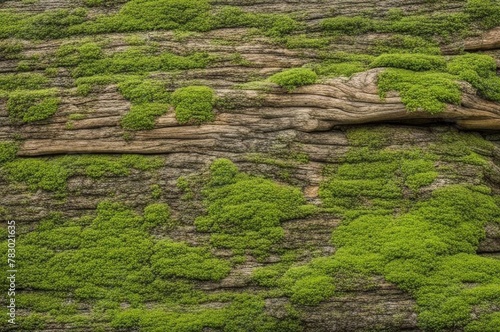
(313, 108)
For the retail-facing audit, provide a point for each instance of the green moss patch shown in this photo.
(135, 15)
(149, 100)
(179, 260)
(37, 174)
(429, 251)
(91, 66)
(480, 71)
(245, 212)
(341, 64)
(430, 82)
(143, 116)
(415, 62)
(52, 174)
(306, 285)
(406, 44)
(304, 41)
(293, 78)
(158, 214)
(8, 151)
(443, 25)
(27, 100)
(10, 49)
(485, 12)
(140, 15)
(245, 312)
(434, 25)
(426, 91)
(272, 25)
(111, 264)
(426, 247)
(84, 259)
(135, 61)
(32, 105)
(46, 25)
(195, 15)
(27, 81)
(74, 53)
(140, 91)
(348, 25)
(194, 104)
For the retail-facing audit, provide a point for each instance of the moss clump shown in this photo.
(487, 322)
(406, 44)
(137, 61)
(293, 78)
(418, 173)
(374, 178)
(194, 104)
(348, 25)
(277, 25)
(30, 106)
(426, 247)
(373, 137)
(410, 260)
(52, 174)
(245, 212)
(38, 174)
(158, 214)
(91, 66)
(98, 3)
(306, 285)
(171, 259)
(137, 15)
(268, 275)
(8, 151)
(480, 71)
(415, 62)
(110, 258)
(435, 85)
(106, 260)
(443, 25)
(223, 172)
(86, 84)
(149, 100)
(46, 25)
(140, 91)
(27, 81)
(303, 41)
(461, 148)
(143, 116)
(10, 49)
(245, 312)
(341, 64)
(140, 15)
(272, 25)
(332, 69)
(156, 191)
(486, 12)
(195, 15)
(74, 54)
(425, 91)
(98, 166)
